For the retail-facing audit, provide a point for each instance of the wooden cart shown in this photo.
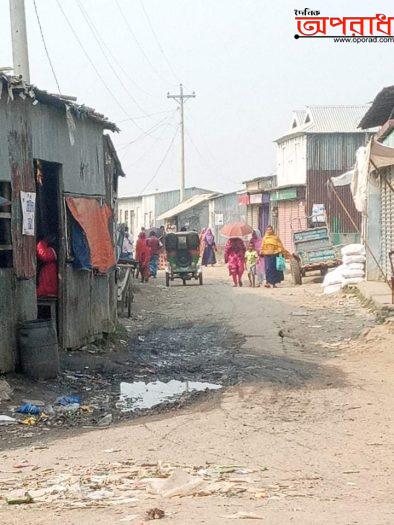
(125, 277)
(313, 251)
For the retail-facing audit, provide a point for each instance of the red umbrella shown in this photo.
(236, 229)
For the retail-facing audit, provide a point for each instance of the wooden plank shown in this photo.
(22, 179)
(5, 215)
(5, 247)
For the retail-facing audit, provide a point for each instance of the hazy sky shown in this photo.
(239, 56)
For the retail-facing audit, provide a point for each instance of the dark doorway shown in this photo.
(47, 199)
(47, 231)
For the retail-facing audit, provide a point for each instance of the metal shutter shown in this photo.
(291, 217)
(387, 218)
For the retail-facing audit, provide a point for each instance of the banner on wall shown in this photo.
(28, 203)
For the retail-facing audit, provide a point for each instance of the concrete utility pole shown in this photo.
(20, 52)
(180, 99)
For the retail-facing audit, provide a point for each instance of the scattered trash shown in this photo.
(105, 421)
(180, 483)
(68, 400)
(7, 420)
(111, 450)
(5, 390)
(72, 407)
(300, 313)
(35, 402)
(141, 338)
(155, 514)
(243, 516)
(19, 498)
(30, 421)
(28, 408)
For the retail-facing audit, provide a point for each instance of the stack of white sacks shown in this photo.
(350, 272)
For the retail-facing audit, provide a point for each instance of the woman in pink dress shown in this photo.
(234, 256)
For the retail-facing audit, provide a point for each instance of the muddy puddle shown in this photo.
(143, 396)
(164, 369)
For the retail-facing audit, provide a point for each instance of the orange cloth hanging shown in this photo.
(94, 220)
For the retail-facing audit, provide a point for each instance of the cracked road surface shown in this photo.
(303, 422)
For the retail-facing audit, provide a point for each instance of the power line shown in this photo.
(152, 145)
(137, 41)
(160, 165)
(146, 116)
(103, 46)
(91, 61)
(158, 41)
(148, 132)
(45, 46)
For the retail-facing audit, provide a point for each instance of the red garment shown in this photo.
(234, 255)
(154, 245)
(143, 255)
(47, 279)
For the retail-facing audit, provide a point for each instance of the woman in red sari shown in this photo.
(234, 255)
(47, 277)
(142, 256)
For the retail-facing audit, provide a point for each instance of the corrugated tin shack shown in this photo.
(53, 151)
(321, 144)
(379, 224)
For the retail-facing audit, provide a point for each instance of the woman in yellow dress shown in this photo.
(271, 247)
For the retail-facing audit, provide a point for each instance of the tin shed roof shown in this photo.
(14, 86)
(326, 119)
(381, 109)
(186, 205)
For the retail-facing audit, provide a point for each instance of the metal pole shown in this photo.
(182, 182)
(180, 99)
(20, 52)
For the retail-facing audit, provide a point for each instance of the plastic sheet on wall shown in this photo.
(94, 220)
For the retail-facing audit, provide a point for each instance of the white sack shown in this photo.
(352, 280)
(348, 259)
(353, 249)
(334, 277)
(349, 273)
(332, 288)
(355, 266)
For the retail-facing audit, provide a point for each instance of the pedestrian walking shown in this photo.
(209, 248)
(154, 245)
(142, 255)
(272, 248)
(234, 256)
(260, 266)
(251, 259)
(127, 246)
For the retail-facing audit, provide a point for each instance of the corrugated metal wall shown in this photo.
(253, 215)
(83, 162)
(387, 219)
(329, 155)
(228, 206)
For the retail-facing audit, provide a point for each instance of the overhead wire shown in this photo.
(105, 49)
(123, 109)
(146, 116)
(158, 41)
(155, 141)
(137, 41)
(207, 164)
(45, 46)
(161, 163)
(147, 133)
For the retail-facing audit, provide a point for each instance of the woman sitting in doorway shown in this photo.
(47, 259)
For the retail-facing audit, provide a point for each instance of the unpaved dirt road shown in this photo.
(302, 428)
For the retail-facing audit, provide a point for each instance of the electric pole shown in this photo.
(180, 99)
(20, 53)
